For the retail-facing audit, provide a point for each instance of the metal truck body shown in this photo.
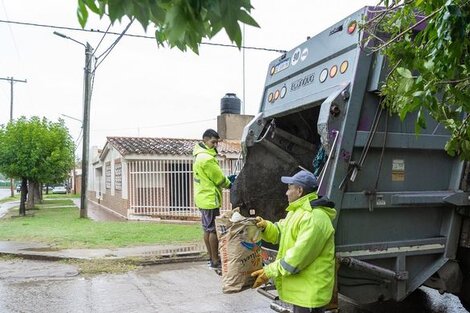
(397, 194)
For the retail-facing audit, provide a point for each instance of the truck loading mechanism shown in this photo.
(401, 208)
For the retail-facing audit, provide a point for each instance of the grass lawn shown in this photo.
(16, 197)
(62, 228)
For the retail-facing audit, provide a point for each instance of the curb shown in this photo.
(33, 256)
(137, 260)
(172, 259)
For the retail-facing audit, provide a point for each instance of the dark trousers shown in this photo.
(299, 309)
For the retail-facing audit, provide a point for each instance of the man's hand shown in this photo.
(261, 223)
(261, 278)
(232, 178)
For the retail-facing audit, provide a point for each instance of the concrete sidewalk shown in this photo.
(97, 213)
(151, 254)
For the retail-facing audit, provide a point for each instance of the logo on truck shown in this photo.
(296, 56)
(280, 67)
(302, 82)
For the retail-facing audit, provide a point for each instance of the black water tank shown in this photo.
(230, 104)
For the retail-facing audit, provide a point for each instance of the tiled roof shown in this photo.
(165, 146)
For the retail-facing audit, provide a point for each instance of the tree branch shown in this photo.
(384, 12)
(453, 81)
(407, 30)
(463, 126)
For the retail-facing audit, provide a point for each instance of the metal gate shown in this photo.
(164, 188)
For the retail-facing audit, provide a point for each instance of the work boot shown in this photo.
(215, 265)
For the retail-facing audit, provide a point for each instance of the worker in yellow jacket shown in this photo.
(208, 183)
(304, 269)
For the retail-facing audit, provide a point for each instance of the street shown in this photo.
(40, 286)
(5, 192)
(5, 206)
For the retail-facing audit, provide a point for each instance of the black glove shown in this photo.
(232, 178)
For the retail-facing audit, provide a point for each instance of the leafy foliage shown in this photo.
(36, 149)
(180, 23)
(427, 47)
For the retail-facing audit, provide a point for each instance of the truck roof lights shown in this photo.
(333, 71)
(343, 67)
(323, 75)
(270, 97)
(352, 27)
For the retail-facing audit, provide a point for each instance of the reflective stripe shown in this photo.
(288, 267)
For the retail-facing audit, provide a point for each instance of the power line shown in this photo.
(134, 35)
(79, 139)
(157, 126)
(111, 47)
(99, 43)
(11, 32)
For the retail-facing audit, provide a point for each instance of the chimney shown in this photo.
(230, 123)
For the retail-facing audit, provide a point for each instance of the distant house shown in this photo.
(74, 181)
(138, 177)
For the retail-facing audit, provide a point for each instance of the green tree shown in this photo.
(180, 23)
(36, 150)
(427, 46)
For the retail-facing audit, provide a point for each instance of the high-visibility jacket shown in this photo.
(304, 269)
(208, 178)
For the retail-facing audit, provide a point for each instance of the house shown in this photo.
(137, 177)
(74, 182)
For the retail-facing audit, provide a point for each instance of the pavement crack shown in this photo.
(149, 296)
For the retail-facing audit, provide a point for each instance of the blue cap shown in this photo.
(303, 179)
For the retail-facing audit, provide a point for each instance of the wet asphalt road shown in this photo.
(40, 286)
(37, 286)
(5, 193)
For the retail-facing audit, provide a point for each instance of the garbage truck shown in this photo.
(403, 217)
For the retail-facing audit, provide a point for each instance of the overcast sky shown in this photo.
(140, 89)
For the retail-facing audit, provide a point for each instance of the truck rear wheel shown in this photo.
(464, 260)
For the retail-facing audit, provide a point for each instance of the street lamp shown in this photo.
(87, 74)
(71, 117)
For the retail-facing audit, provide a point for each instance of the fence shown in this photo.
(164, 188)
(4, 184)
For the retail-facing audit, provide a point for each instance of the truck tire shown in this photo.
(464, 260)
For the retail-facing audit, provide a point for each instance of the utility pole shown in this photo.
(12, 80)
(86, 127)
(87, 77)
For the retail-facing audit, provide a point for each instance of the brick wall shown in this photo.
(115, 203)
